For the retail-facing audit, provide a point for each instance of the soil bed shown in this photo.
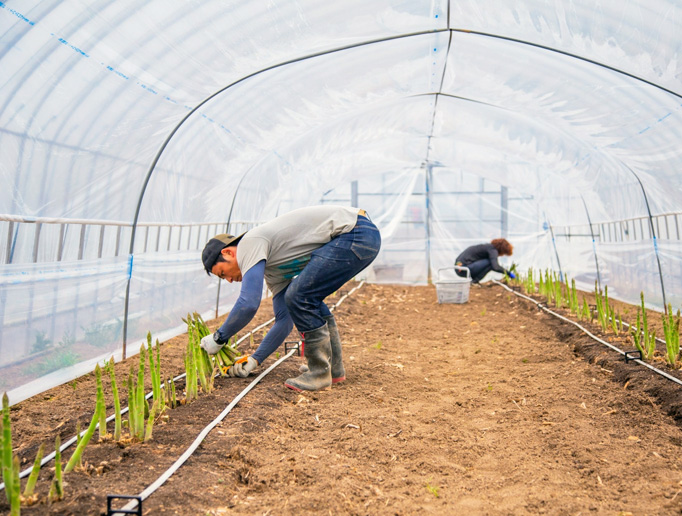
(490, 407)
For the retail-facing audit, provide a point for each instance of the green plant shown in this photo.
(207, 366)
(151, 420)
(171, 401)
(53, 362)
(10, 466)
(599, 301)
(587, 313)
(57, 488)
(198, 360)
(33, 477)
(67, 339)
(671, 329)
(155, 372)
(117, 401)
(556, 297)
(514, 270)
(78, 441)
(15, 503)
(529, 283)
(131, 403)
(575, 306)
(41, 342)
(377, 345)
(649, 338)
(101, 404)
(432, 489)
(614, 320)
(140, 400)
(84, 440)
(102, 335)
(644, 340)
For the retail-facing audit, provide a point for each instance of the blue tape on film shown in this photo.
(130, 266)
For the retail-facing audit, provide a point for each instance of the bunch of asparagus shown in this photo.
(199, 365)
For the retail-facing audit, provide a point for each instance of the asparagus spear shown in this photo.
(15, 503)
(117, 401)
(100, 403)
(57, 488)
(76, 457)
(7, 463)
(33, 477)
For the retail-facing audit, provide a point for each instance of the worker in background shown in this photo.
(303, 256)
(482, 258)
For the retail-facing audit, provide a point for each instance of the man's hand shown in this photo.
(210, 345)
(243, 367)
(511, 275)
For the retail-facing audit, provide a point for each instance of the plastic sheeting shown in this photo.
(132, 132)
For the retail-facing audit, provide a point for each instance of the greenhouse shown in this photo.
(134, 132)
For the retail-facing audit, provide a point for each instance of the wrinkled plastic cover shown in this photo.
(131, 132)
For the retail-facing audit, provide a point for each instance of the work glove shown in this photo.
(243, 367)
(210, 344)
(511, 275)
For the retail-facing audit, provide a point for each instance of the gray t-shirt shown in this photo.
(287, 242)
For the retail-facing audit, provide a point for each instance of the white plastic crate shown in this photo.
(452, 288)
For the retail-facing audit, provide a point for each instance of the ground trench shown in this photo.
(445, 409)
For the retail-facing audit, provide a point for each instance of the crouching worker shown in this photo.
(303, 256)
(481, 259)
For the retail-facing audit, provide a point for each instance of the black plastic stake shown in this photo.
(633, 355)
(112, 512)
(292, 344)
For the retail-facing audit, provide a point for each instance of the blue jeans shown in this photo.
(329, 268)
(478, 269)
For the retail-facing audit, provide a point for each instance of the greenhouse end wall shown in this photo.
(133, 132)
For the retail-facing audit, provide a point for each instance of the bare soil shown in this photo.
(492, 407)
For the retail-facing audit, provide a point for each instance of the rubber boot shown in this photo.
(317, 350)
(338, 371)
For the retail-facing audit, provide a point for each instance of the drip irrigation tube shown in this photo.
(130, 506)
(590, 334)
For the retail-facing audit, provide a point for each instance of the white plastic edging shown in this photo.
(587, 332)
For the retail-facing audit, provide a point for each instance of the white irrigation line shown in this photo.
(587, 332)
(66, 444)
(343, 298)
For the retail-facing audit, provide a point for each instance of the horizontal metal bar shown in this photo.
(98, 222)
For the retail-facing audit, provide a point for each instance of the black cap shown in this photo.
(211, 252)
